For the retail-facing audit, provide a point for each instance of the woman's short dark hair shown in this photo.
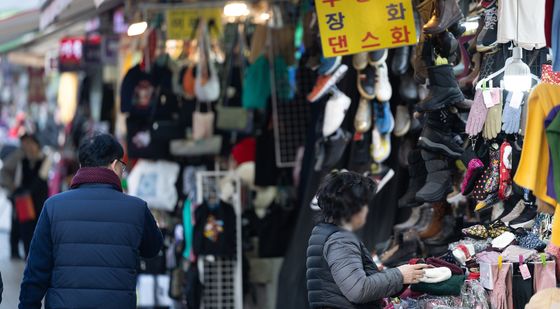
(99, 150)
(30, 137)
(344, 194)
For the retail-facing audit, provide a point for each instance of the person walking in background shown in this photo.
(88, 240)
(340, 270)
(24, 175)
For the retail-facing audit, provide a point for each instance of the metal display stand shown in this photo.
(221, 277)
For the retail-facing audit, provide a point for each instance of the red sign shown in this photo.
(71, 51)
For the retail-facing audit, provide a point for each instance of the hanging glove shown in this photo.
(523, 122)
(511, 116)
(493, 124)
(477, 115)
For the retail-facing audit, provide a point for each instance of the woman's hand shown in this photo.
(412, 273)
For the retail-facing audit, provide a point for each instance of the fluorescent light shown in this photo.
(264, 16)
(236, 9)
(137, 28)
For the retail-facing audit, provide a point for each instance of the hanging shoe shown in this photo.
(436, 225)
(383, 90)
(488, 36)
(384, 120)
(329, 65)
(363, 119)
(381, 175)
(366, 82)
(402, 122)
(444, 90)
(414, 218)
(377, 57)
(437, 136)
(475, 168)
(325, 82)
(417, 178)
(447, 13)
(446, 44)
(408, 89)
(513, 208)
(438, 180)
(335, 112)
(467, 81)
(504, 188)
(400, 61)
(381, 146)
(360, 61)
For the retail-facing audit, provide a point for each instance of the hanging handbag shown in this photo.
(233, 118)
(25, 209)
(203, 147)
(202, 123)
(207, 83)
(154, 182)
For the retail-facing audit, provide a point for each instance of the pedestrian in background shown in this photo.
(340, 270)
(24, 175)
(85, 250)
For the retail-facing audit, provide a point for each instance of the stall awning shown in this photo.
(15, 27)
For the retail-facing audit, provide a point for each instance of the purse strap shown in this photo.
(237, 40)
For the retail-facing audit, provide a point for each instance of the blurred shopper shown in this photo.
(24, 175)
(340, 270)
(85, 250)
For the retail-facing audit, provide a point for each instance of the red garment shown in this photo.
(549, 7)
(245, 150)
(97, 175)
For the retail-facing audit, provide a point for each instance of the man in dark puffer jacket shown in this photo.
(85, 250)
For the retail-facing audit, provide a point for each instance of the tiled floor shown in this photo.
(12, 272)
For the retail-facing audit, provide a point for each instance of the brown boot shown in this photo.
(440, 210)
(419, 65)
(467, 81)
(447, 12)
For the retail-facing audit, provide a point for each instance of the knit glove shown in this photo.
(511, 116)
(477, 115)
(493, 123)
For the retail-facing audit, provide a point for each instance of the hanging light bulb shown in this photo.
(517, 75)
(137, 28)
(236, 9)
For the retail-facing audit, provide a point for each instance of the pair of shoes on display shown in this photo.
(435, 226)
(519, 215)
(330, 73)
(381, 133)
(335, 112)
(406, 247)
(401, 60)
(403, 121)
(447, 234)
(415, 216)
(373, 75)
(438, 134)
(488, 36)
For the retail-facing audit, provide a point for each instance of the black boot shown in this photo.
(437, 136)
(401, 59)
(444, 90)
(417, 173)
(438, 181)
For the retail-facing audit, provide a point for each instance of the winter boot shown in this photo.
(438, 181)
(417, 173)
(436, 225)
(447, 13)
(437, 136)
(444, 90)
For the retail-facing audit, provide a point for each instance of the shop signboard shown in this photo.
(181, 23)
(353, 26)
(71, 53)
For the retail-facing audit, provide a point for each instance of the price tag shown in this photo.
(525, 273)
(487, 96)
(516, 99)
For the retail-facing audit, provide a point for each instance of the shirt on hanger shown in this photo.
(524, 26)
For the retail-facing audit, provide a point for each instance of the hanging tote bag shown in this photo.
(207, 83)
(232, 118)
(154, 182)
(202, 123)
(256, 84)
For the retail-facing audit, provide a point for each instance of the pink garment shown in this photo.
(489, 257)
(544, 276)
(555, 252)
(501, 297)
(512, 253)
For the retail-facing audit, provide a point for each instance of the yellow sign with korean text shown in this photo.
(182, 23)
(353, 26)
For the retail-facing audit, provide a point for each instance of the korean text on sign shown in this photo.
(353, 26)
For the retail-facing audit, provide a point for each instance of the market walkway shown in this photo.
(12, 272)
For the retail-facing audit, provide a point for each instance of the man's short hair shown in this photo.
(30, 137)
(99, 150)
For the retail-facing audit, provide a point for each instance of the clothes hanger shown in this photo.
(500, 71)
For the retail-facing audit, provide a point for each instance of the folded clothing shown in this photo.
(437, 262)
(436, 275)
(452, 286)
(512, 253)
